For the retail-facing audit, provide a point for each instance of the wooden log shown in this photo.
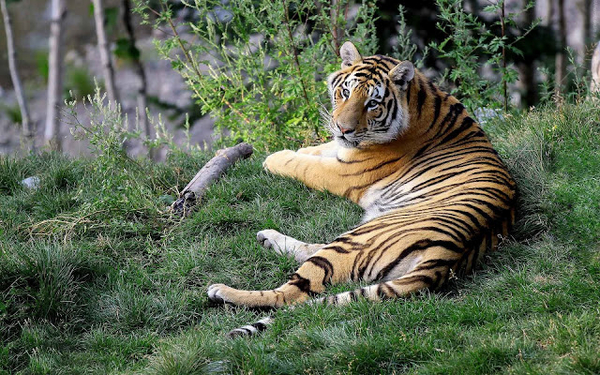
(211, 172)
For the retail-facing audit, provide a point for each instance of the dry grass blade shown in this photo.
(64, 225)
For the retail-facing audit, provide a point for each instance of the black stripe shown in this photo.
(417, 246)
(465, 124)
(453, 112)
(385, 58)
(396, 104)
(437, 280)
(337, 249)
(347, 239)
(301, 283)
(421, 99)
(435, 263)
(351, 161)
(361, 268)
(325, 265)
(412, 279)
(381, 293)
(260, 326)
(437, 103)
(336, 81)
(432, 86)
(353, 296)
(373, 168)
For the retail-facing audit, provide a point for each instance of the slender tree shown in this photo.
(107, 67)
(134, 54)
(585, 9)
(527, 68)
(336, 31)
(549, 13)
(561, 58)
(503, 30)
(595, 86)
(28, 139)
(55, 62)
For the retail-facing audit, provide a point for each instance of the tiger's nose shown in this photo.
(345, 130)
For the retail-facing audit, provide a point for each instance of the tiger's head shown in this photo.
(368, 97)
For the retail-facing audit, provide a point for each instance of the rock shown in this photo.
(484, 114)
(32, 182)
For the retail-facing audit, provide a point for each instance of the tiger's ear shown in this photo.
(350, 55)
(402, 73)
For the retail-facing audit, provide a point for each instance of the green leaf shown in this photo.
(111, 17)
(126, 50)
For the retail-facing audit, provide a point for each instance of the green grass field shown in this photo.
(96, 278)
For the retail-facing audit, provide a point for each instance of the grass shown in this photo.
(96, 278)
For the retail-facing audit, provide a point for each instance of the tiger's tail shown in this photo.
(400, 287)
(251, 329)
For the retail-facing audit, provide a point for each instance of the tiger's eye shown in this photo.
(372, 104)
(345, 93)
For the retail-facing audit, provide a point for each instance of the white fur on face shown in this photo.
(377, 132)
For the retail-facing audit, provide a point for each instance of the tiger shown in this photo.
(436, 195)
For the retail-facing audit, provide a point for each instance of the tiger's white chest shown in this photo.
(385, 196)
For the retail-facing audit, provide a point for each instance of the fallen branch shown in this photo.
(211, 172)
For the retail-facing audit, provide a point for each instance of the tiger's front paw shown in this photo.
(311, 150)
(220, 293)
(276, 163)
(269, 239)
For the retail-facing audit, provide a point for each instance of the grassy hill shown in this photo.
(96, 278)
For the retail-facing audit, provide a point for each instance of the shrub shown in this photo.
(259, 66)
(471, 48)
(13, 112)
(78, 82)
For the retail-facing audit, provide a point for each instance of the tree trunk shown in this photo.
(561, 58)
(107, 67)
(337, 33)
(585, 8)
(28, 140)
(139, 69)
(547, 20)
(595, 86)
(527, 68)
(55, 60)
